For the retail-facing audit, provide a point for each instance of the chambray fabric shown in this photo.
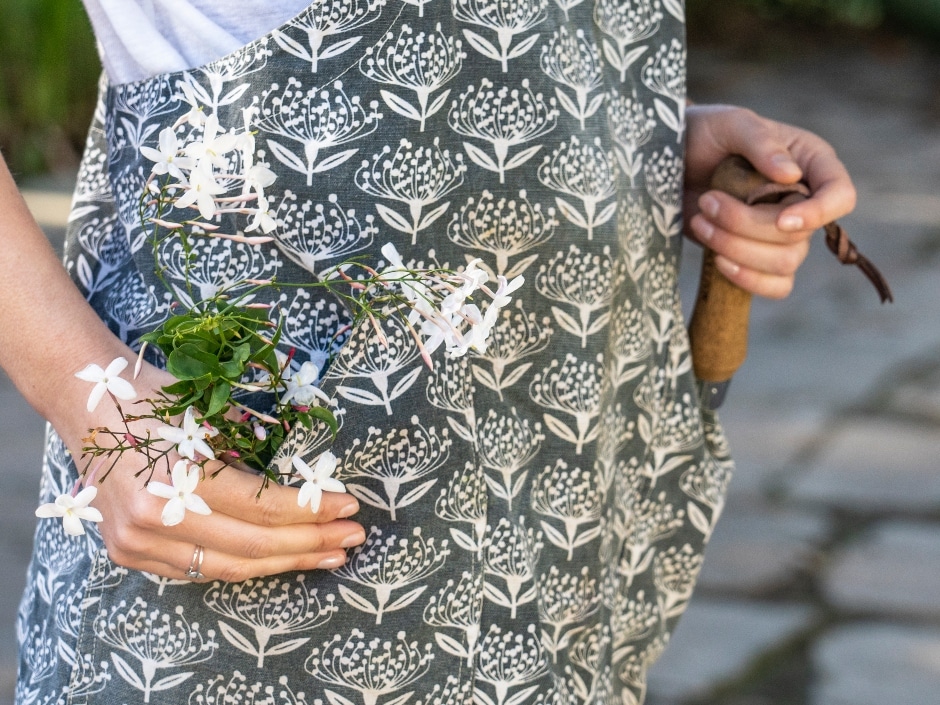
(536, 514)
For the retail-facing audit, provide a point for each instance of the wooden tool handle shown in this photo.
(719, 326)
(718, 329)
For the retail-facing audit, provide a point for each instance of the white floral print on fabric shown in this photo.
(536, 512)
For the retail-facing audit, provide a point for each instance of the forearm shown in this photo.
(47, 329)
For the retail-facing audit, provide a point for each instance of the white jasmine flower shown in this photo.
(441, 329)
(501, 297)
(72, 510)
(185, 478)
(200, 192)
(196, 117)
(301, 386)
(475, 337)
(258, 178)
(390, 253)
(107, 380)
(262, 217)
(318, 480)
(213, 145)
(473, 277)
(167, 157)
(415, 292)
(191, 437)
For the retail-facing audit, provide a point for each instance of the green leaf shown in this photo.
(241, 353)
(188, 362)
(232, 369)
(152, 337)
(218, 399)
(177, 389)
(325, 415)
(201, 384)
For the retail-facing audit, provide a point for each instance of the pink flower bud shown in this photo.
(260, 432)
(169, 225)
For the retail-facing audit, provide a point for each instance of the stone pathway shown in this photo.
(821, 583)
(820, 586)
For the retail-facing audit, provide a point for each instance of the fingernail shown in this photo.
(703, 229)
(353, 540)
(784, 160)
(331, 562)
(791, 223)
(709, 205)
(726, 266)
(348, 510)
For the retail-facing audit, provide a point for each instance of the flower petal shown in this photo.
(121, 388)
(172, 434)
(331, 484)
(302, 468)
(72, 524)
(195, 503)
(88, 514)
(96, 393)
(203, 448)
(173, 512)
(314, 496)
(86, 496)
(90, 373)
(183, 481)
(50, 510)
(115, 367)
(161, 489)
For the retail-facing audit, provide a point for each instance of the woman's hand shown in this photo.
(245, 536)
(760, 247)
(47, 333)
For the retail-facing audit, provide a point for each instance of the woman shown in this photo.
(522, 526)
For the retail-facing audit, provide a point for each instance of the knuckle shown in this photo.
(851, 197)
(746, 115)
(121, 549)
(235, 572)
(790, 261)
(318, 540)
(143, 510)
(258, 545)
(270, 509)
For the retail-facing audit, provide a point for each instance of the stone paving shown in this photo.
(822, 583)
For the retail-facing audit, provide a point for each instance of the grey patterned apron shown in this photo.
(535, 514)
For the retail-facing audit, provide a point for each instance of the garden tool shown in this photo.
(719, 326)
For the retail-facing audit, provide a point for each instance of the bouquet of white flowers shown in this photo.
(225, 346)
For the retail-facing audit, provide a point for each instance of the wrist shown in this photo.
(71, 416)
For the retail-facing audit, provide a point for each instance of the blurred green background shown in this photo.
(48, 72)
(49, 66)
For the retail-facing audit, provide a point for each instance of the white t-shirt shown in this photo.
(141, 38)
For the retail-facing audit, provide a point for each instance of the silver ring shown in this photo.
(194, 572)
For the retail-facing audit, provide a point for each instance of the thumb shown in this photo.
(775, 162)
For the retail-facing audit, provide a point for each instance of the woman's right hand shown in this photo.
(247, 535)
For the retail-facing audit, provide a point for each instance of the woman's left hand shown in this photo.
(760, 247)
